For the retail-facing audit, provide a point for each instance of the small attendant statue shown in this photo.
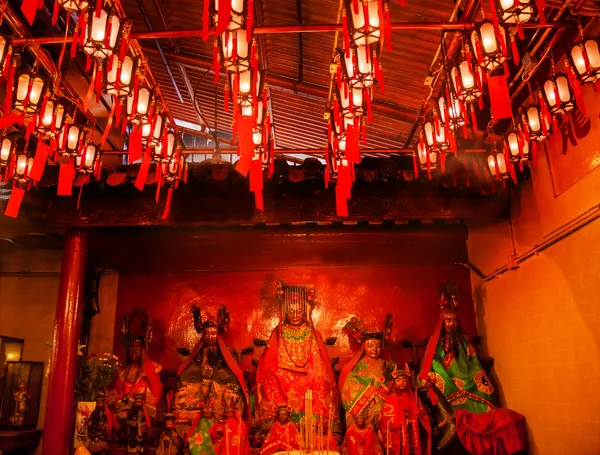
(138, 426)
(361, 439)
(169, 441)
(198, 439)
(99, 427)
(17, 419)
(283, 435)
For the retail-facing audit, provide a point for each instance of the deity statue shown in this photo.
(99, 427)
(361, 438)
(20, 398)
(138, 426)
(365, 379)
(452, 363)
(199, 438)
(295, 364)
(283, 435)
(169, 441)
(452, 366)
(209, 373)
(139, 374)
(402, 416)
(230, 434)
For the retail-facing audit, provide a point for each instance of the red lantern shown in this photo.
(52, 118)
(23, 165)
(453, 113)
(427, 158)
(164, 152)
(558, 94)
(86, 162)
(498, 166)
(515, 11)
(8, 147)
(517, 148)
(466, 80)
(153, 137)
(538, 125)
(358, 68)
(101, 32)
(27, 95)
(69, 140)
(487, 45)
(363, 22)
(123, 71)
(5, 51)
(585, 59)
(235, 50)
(140, 107)
(73, 6)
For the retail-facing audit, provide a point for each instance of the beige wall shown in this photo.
(540, 322)
(28, 303)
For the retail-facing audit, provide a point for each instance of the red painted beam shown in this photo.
(60, 407)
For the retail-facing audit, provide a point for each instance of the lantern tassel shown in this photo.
(369, 105)
(224, 16)
(55, 13)
(576, 85)
(249, 21)
(108, 33)
(99, 8)
(205, 17)
(9, 89)
(534, 153)
(541, 6)
(226, 98)
(90, 92)
(443, 162)
(387, 27)
(82, 25)
(515, 51)
(496, 23)
(165, 214)
(109, 123)
(140, 180)
(216, 68)
(98, 84)
(415, 165)
(345, 34)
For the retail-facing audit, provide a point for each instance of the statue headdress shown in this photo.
(202, 320)
(137, 328)
(448, 302)
(378, 332)
(288, 295)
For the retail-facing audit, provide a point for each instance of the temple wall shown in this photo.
(540, 321)
(28, 293)
(369, 293)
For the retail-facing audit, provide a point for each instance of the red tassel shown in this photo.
(39, 162)
(109, 123)
(576, 86)
(249, 21)
(216, 68)
(82, 25)
(534, 153)
(515, 51)
(55, 13)
(90, 92)
(387, 27)
(165, 214)
(364, 133)
(355, 6)
(415, 165)
(205, 17)
(226, 98)
(345, 34)
(10, 83)
(541, 5)
(98, 84)
(74, 40)
(107, 33)
(14, 202)
(369, 107)
(140, 180)
(443, 161)
(99, 7)
(123, 48)
(473, 118)
(403, 3)
(224, 16)
(234, 46)
(496, 23)
(29, 9)
(366, 17)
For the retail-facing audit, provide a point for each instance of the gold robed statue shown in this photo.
(295, 370)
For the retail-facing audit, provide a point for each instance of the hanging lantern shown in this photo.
(249, 86)
(488, 46)
(171, 170)
(29, 87)
(352, 103)
(363, 23)
(518, 149)
(515, 11)
(237, 14)
(86, 161)
(435, 138)
(4, 52)
(23, 166)
(585, 58)
(8, 147)
(139, 107)
(533, 118)
(497, 165)
(52, 118)
(69, 140)
(101, 32)
(427, 158)
(358, 68)
(451, 113)
(73, 6)
(466, 80)
(164, 151)
(124, 71)
(153, 138)
(235, 50)
(558, 94)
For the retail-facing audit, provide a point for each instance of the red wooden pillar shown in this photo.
(60, 407)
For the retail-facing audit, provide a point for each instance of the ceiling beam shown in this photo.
(391, 110)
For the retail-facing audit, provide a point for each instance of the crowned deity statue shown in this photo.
(138, 374)
(295, 369)
(364, 381)
(451, 364)
(209, 373)
(403, 416)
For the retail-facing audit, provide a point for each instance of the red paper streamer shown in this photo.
(205, 17)
(140, 180)
(499, 97)
(39, 162)
(66, 175)
(29, 9)
(14, 202)
(135, 145)
(165, 214)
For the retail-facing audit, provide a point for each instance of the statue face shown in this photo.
(373, 348)
(360, 421)
(228, 412)
(209, 335)
(282, 415)
(208, 412)
(450, 322)
(401, 383)
(135, 354)
(295, 315)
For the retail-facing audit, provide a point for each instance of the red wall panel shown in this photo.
(410, 294)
